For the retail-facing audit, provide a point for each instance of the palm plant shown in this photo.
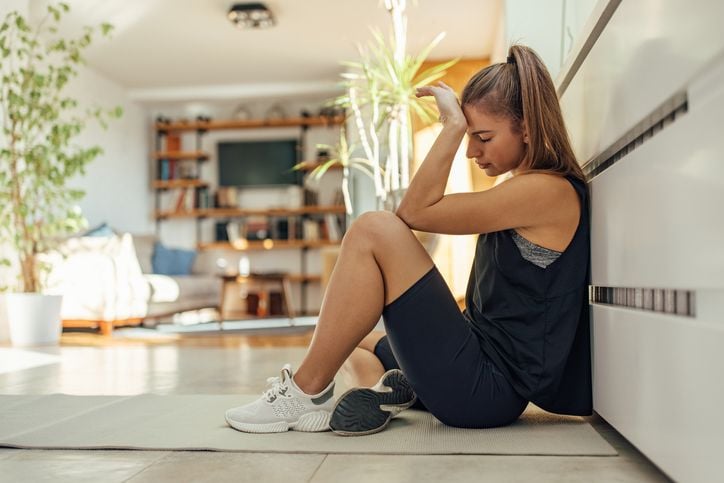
(341, 154)
(383, 83)
(379, 99)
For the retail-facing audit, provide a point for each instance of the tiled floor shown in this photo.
(88, 364)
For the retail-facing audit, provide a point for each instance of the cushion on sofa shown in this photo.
(102, 230)
(172, 261)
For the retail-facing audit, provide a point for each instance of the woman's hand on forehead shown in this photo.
(447, 103)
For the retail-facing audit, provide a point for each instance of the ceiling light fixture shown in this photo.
(253, 15)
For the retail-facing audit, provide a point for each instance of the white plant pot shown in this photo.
(34, 319)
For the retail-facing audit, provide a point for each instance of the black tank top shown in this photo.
(533, 322)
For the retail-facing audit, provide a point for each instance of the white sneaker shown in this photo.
(283, 407)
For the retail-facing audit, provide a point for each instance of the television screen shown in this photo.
(258, 163)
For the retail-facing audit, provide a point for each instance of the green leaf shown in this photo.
(426, 52)
(54, 12)
(434, 72)
(320, 170)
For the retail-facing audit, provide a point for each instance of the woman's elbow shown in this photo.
(412, 220)
(405, 216)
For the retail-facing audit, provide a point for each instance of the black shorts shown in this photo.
(430, 340)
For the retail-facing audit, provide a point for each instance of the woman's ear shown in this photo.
(525, 133)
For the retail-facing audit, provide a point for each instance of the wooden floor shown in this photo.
(300, 338)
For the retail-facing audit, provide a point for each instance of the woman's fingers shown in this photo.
(431, 90)
(424, 91)
(445, 98)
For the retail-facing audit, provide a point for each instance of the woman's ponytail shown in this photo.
(522, 89)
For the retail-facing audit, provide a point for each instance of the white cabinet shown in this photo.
(656, 223)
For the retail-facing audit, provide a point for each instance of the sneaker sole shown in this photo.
(310, 422)
(362, 411)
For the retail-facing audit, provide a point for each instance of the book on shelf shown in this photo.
(163, 169)
(203, 198)
(173, 142)
(280, 229)
(228, 197)
(181, 200)
(311, 198)
(310, 230)
(187, 169)
(167, 169)
(323, 234)
(234, 231)
(257, 227)
(334, 230)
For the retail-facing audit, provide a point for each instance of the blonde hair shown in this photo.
(522, 90)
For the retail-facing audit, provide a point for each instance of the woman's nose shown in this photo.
(473, 150)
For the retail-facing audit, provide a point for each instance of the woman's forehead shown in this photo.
(480, 121)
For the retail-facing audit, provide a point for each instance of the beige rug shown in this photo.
(196, 422)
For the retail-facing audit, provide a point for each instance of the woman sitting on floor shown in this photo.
(524, 335)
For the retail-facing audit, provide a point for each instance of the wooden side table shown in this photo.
(264, 279)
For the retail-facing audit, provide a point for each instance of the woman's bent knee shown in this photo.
(377, 224)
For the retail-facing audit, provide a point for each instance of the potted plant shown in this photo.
(380, 99)
(340, 154)
(37, 158)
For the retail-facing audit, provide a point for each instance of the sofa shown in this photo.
(109, 281)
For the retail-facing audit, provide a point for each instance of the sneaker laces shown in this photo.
(279, 385)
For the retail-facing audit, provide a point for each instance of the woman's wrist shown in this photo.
(454, 122)
(458, 126)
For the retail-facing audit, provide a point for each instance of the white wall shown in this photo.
(538, 25)
(550, 27)
(8, 6)
(116, 183)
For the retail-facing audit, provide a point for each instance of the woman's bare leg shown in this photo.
(379, 260)
(362, 368)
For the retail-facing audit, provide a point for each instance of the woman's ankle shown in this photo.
(310, 386)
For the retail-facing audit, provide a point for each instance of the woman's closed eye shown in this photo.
(483, 140)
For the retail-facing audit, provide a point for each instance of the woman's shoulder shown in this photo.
(546, 186)
(558, 204)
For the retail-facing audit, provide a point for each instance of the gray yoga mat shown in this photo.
(196, 422)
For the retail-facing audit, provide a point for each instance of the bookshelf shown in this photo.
(178, 174)
(211, 125)
(180, 155)
(238, 212)
(178, 183)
